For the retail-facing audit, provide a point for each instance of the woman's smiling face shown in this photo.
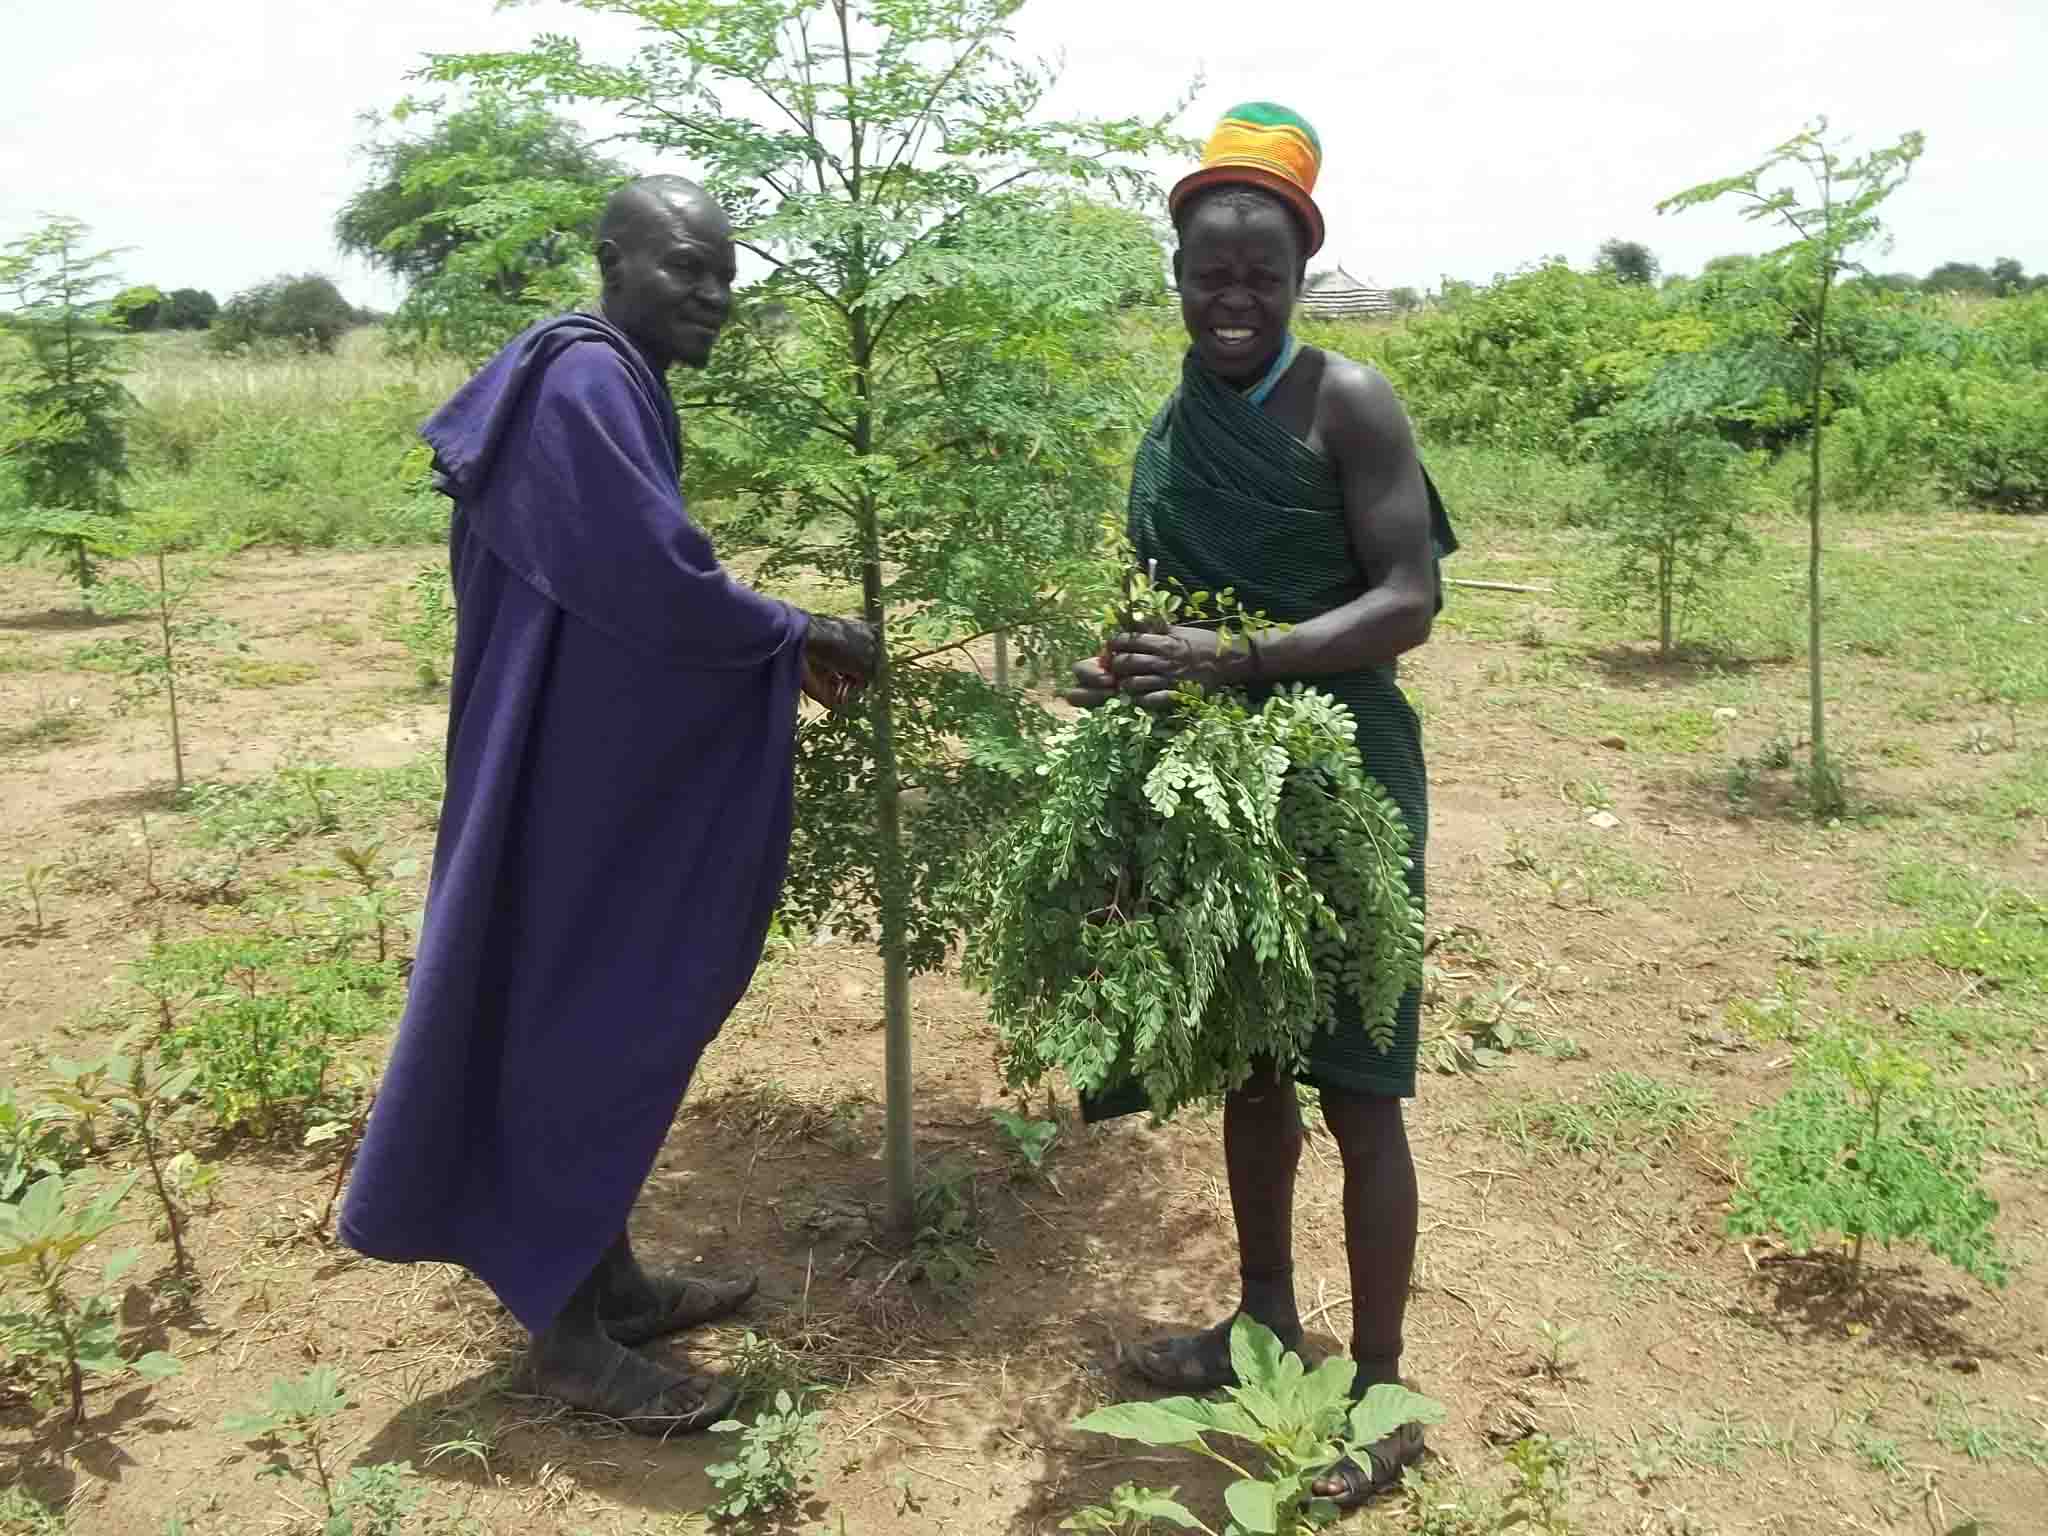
(1239, 268)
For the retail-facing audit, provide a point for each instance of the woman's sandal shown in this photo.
(1193, 1362)
(689, 1302)
(1390, 1457)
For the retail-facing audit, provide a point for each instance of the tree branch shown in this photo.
(981, 195)
(800, 275)
(961, 644)
(915, 138)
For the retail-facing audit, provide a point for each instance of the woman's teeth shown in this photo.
(1231, 335)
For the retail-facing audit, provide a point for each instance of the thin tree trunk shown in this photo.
(156, 1174)
(898, 1146)
(1823, 775)
(1003, 659)
(1665, 577)
(360, 1124)
(163, 609)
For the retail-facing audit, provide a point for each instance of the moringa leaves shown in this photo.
(1194, 893)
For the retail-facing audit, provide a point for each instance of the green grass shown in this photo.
(1776, 1016)
(22, 1514)
(337, 632)
(308, 799)
(1608, 872)
(1626, 1111)
(48, 726)
(2009, 810)
(1940, 889)
(2011, 952)
(253, 673)
(1969, 1027)
(1989, 1435)
(17, 657)
(302, 452)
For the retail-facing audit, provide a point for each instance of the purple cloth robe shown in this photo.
(614, 834)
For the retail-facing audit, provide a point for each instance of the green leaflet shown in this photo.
(1193, 893)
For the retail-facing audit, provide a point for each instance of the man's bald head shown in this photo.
(649, 205)
(665, 249)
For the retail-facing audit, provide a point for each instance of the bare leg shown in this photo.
(1262, 1140)
(1381, 1212)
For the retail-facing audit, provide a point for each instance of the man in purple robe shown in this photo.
(615, 831)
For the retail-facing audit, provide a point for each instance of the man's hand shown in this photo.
(1147, 668)
(831, 689)
(840, 656)
(846, 646)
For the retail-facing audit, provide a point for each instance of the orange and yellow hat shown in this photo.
(1262, 144)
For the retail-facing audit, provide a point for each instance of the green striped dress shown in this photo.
(1222, 495)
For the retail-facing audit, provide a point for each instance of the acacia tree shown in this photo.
(933, 417)
(1629, 261)
(306, 313)
(487, 215)
(1842, 217)
(65, 423)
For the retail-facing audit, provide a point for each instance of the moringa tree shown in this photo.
(931, 412)
(65, 422)
(1842, 217)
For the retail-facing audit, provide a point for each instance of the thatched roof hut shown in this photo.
(1340, 296)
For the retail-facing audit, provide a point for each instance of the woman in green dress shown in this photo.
(1290, 474)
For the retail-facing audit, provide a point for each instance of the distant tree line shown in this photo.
(306, 312)
(148, 308)
(1630, 261)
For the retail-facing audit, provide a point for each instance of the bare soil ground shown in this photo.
(1706, 1387)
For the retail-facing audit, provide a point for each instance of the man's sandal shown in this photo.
(658, 1404)
(688, 1301)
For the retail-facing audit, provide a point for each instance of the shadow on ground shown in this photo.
(1063, 1267)
(64, 620)
(1815, 1297)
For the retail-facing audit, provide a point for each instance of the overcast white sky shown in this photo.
(1459, 137)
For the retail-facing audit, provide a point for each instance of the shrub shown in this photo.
(1676, 496)
(1513, 364)
(189, 309)
(306, 314)
(269, 1025)
(1868, 1144)
(1981, 428)
(1295, 1421)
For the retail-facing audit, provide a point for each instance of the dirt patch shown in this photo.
(1700, 1375)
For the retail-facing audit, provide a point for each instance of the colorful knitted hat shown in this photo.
(1262, 145)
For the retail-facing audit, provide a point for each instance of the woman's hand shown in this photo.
(1093, 685)
(1148, 668)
